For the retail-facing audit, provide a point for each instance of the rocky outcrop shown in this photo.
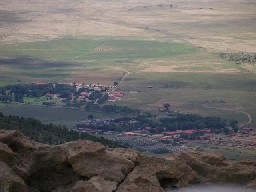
(90, 159)
(80, 166)
(95, 184)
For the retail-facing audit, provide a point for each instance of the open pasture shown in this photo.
(56, 115)
(233, 153)
(179, 74)
(75, 49)
(225, 95)
(173, 48)
(86, 60)
(30, 70)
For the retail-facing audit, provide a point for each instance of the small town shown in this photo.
(166, 132)
(170, 142)
(73, 95)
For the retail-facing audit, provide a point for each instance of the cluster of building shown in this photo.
(174, 141)
(178, 133)
(245, 138)
(114, 96)
(148, 143)
(84, 96)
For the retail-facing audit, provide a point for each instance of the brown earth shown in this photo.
(27, 166)
(222, 26)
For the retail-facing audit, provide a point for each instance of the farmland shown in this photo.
(174, 49)
(56, 115)
(95, 49)
(57, 61)
(191, 92)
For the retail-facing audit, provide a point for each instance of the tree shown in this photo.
(226, 130)
(235, 129)
(91, 107)
(166, 106)
(102, 99)
(90, 116)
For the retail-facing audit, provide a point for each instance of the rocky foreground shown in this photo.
(80, 166)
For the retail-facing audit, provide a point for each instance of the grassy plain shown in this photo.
(174, 49)
(227, 94)
(67, 58)
(232, 153)
(55, 115)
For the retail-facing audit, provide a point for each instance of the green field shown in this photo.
(167, 54)
(190, 92)
(56, 115)
(94, 49)
(69, 59)
(4, 83)
(186, 77)
(232, 153)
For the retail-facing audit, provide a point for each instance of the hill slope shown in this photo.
(47, 133)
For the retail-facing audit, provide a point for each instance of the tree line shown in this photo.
(48, 133)
(111, 109)
(155, 125)
(16, 93)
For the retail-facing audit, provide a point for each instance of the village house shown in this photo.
(172, 134)
(52, 96)
(85, 94)
(41, 83)
(115, 96)
(177, 133)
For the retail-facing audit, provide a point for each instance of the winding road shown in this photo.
(239, 111)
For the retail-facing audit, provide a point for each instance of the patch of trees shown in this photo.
(102, 99)
(17, 92)
(192, 121)
(95, 95)
(121, 124)
(49, 103)
(6, 98)
(111, 109)
(47, 133)
(239, 58)
(177, 122)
